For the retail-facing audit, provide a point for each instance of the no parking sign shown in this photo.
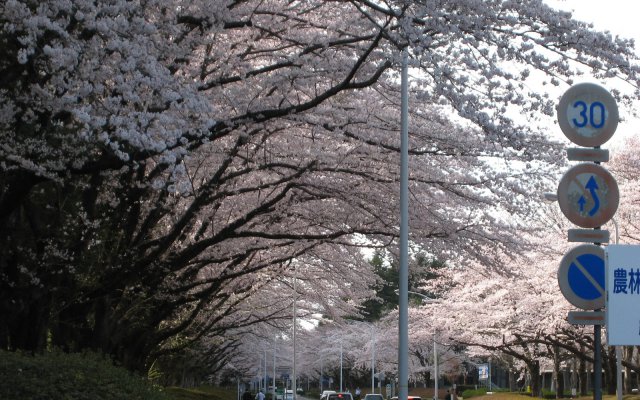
(581, 277)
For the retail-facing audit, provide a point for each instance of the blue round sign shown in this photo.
(581, 277)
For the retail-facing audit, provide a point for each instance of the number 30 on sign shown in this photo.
(588, 114)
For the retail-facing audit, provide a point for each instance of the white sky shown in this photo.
(620, 17)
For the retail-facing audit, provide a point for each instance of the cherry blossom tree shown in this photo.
(170, 168)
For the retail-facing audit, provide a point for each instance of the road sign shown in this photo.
(283, 370)
(623, 295)
(483, 371)
(588, 195)
(586, 317)
(588, 114)
(581, 277)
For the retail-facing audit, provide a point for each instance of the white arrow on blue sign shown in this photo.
(581, 277)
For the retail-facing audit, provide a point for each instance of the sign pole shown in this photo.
(588, 196)
(597, 365)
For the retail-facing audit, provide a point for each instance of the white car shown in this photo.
(326, 393)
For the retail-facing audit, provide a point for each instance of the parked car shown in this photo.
(326, 393)
(374, 396)
(340, 396)
(288, 394)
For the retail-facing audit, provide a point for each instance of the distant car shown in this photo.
(340, 396)
(372, 396)
(326, 393)
(288, 394)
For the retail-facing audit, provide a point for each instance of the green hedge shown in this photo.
(60, 376)
(474, 392)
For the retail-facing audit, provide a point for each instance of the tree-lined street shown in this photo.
(181, 181)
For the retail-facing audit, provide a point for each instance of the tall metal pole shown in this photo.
(403, 300)
(274, 368)
(321, 375)
(618, 348)
(341, 365)
(373, 361)
(265, 373)
(436, 370)
(295, 298)
(597, 365)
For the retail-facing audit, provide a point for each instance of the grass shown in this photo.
(201, 393)
(523, 396)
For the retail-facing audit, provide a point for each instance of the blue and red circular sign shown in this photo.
(588, 195)
(581, 277)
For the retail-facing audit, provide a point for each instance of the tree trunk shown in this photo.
(583, 376)
(558, 376)
(610, 370)
(627, 355)
(534, 370)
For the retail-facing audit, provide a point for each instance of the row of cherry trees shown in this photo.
(515, 319)
(169, 167)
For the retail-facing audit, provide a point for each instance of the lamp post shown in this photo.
(340, 365)
(403, 276)
(373, 359)
(275, 337)
(321, 375)
(265, 372)
(295, 299)
(430, 300)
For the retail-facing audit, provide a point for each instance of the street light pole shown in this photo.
(436, 371)
(265, 372)
(341, 366)
(295, 299)
(429, 300)
(321, 375)
(403, 298)
(373, 360)
(275, 337)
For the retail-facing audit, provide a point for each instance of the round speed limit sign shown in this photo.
(588, 114)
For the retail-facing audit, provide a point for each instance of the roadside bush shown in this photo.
(461, 388)
(60, 376)
(474, 392)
